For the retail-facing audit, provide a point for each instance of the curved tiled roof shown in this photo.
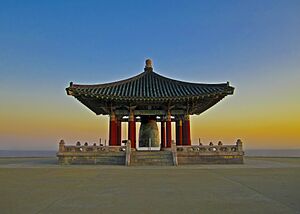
(149, 86)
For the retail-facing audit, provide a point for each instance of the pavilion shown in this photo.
(150, 98)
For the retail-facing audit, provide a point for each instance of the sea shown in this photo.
(27, 153)
(250, 153)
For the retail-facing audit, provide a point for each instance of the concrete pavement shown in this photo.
(261, 185)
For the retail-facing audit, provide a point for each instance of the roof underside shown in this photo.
(150, 89)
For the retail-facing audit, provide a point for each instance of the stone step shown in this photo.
(152, 163)
(151, 158)
(151, 153)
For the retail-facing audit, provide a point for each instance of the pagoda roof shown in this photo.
(149, 86)
(149, 93)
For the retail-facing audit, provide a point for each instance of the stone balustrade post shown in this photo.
(94, 147)
(174, 153)
(128, 152)
(239, 145)
(61, 146)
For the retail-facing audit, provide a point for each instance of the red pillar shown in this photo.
(131, 130)
(186, 131)
(119, 132)
(163, 134)
(179, 132)
(168, 131)
(183, 133)
(134, 135)
(112, 130)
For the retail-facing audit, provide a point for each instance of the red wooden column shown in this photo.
(112, 130)
(131, 129)
(163, 134)
(134, 124)
(168, 130)
(119, 132)
(179, 132)
(186, 131)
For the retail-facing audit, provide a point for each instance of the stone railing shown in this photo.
(121, 155)
(85, 148)
(91, 154)
(211, 148)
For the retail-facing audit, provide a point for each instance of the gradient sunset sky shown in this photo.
(255, 45)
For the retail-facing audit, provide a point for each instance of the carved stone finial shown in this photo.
(148, 63)
(148, 66)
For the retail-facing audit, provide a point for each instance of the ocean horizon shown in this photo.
(249, 152)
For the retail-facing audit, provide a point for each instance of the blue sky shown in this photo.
(81, 38)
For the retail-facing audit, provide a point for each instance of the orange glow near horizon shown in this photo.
(258, 129)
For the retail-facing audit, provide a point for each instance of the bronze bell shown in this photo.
(148, 132)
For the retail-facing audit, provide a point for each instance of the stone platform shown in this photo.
(125, 155)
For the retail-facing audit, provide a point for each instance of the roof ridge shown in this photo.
(118, 82)
(150, 85)
(145, 73)
(188, 83)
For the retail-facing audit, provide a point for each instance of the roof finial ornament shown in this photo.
(148, 66)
